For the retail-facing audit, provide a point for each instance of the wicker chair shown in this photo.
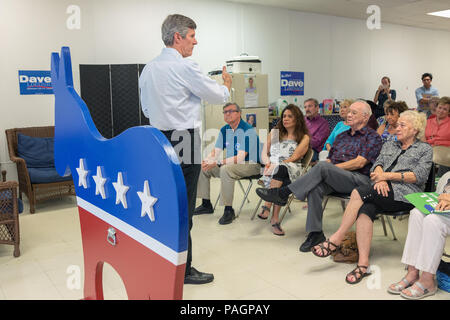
(9, 214)
(36, 192)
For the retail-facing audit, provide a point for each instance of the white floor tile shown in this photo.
(247, 260)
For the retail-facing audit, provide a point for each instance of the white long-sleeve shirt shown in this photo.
(171, 90)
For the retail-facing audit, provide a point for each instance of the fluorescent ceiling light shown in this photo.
(444, 13)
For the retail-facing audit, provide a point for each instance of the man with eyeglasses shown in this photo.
(242, 160)
(353, 153)
(425, 93)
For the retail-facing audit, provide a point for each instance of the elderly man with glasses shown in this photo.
(242, 160)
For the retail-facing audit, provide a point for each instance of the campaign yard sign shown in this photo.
(35, 82)
(292, 83)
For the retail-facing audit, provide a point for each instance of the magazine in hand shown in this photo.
(426, 202)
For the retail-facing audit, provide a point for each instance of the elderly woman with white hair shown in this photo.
(401, 168)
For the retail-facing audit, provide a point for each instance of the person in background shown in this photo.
(242, 160)
(388, 130)
(347, 167)
(383, 94)
(286, 146)
(372, 120)
(402, 167)
(340, 126)
(437, 132)
(318, 127)
(433, 106)
(171, 89)
(423, 249)
(425, 92)
(382, 119)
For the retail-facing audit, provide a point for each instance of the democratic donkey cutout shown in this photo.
(131, 197)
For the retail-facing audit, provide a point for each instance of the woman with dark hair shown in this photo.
(384, 93)
(286, 145)
(387, 130)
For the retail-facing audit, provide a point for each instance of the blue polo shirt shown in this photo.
(244, 138)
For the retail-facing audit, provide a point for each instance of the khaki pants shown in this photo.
(228, 174)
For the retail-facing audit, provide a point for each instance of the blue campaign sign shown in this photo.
(35, 82)
(292, 83)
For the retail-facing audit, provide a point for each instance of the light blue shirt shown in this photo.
(171, 89)
(339, 128)
(421, 91)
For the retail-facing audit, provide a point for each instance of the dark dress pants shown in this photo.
(191, 168)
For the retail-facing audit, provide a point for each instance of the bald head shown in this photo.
(358, 115)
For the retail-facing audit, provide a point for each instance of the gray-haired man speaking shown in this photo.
(172, 88)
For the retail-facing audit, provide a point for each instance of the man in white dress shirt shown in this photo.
(172, 88)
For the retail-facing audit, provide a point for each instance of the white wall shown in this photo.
(340, 56)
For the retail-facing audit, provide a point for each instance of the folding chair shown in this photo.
(306, 161)
(246, 192)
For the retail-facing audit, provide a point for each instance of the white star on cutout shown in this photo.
(99, 183)
(82, 174)
(121, 190)
(147, 202)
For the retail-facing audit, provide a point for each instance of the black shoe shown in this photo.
(272, 195)
(228, 217)
(313, 239)
(197, 277)
(202, 209)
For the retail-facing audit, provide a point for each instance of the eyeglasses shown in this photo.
(229, 111)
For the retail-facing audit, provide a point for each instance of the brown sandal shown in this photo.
(325, 251)
(358, 271)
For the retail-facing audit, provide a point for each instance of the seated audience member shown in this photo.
(425, 93)
(434, 101)
(424, 245)
(401, 168)
(382, 119)
(387, 130)
(242, 160)
(286, 145)
(340, 126)
(346, 168)
(318, 127)
(383, 94)
(372, 123)
(437, 132)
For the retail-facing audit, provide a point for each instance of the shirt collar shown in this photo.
(415, 144)
(314, 118)
(172, 52)
(241, 125)
(361, 131)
